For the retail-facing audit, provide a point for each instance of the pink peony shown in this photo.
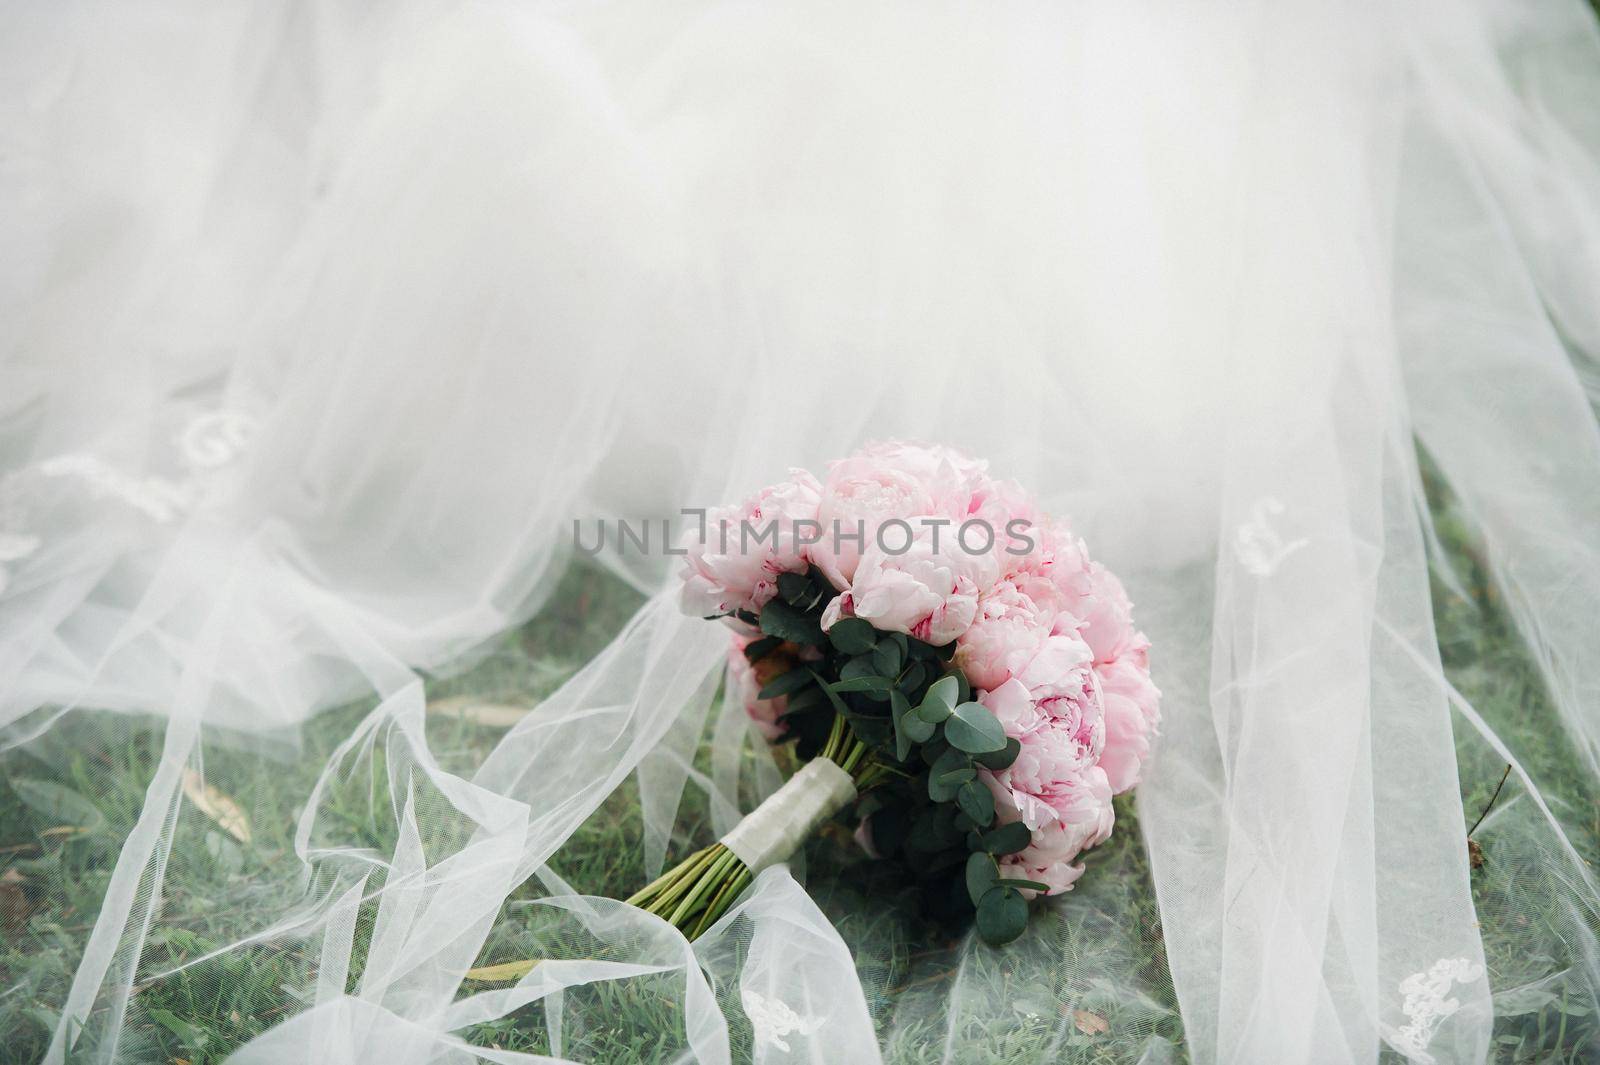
(1058, 667)
(1132, 711)
(931, 594)
(1078, 711)
(746, 679)
(1011, 638)
(1009, 511)
(1054, 573)
(1106, 618)
(979, 509)
(735, 566)
(1049, 858)
(1091, 604)
(1059, 577)
(860, 494)
(911, 482)
(1054, 776)
(1005, 635)
(953, 480)
(744, 686)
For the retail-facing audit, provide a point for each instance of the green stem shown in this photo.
(672, 887)
(732, 884)
(662, 882)
(703, 885)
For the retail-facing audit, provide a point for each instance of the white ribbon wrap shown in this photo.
(774, 830)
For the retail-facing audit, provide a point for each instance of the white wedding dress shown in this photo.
(321, 322)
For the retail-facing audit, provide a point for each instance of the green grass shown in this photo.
(1531, 923)
(1088, 983)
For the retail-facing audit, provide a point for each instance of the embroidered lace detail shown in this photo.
(215, 438)
(1258, 546)
(773, 1019)
(207, 444)
(156, 497)
(1427, 1005)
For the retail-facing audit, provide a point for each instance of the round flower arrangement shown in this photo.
(947, 660)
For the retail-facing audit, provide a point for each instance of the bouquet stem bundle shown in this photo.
(694, 894)
(698, 891)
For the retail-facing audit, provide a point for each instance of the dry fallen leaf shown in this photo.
(1474, 854)
(492, 715)
(511, 970)
(1090, 1023)
(217, 806)
(14, 905)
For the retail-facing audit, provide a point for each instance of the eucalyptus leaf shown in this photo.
(873, 731)
(833, 696)
(786, 684)
(933, 711)
(862, 684)
(977, 802)
(887, 657)
(1007, 839)
(912, 678)
(852, 636)
(982, 872)
(939, 791)
(795, 587)
(898, 708)
(1002, 915)
(779, 618)
(944, 691)
(1001, 759)
(806, 699)
(859, 666)
(1030, 884)
(974, 729)
(916, 729)
(932, 831)
(951, 762)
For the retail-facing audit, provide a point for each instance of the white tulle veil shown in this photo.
(322, 324)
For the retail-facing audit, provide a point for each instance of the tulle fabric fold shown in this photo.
(323, 324)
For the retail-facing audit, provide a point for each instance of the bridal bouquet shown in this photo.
(949, 664)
